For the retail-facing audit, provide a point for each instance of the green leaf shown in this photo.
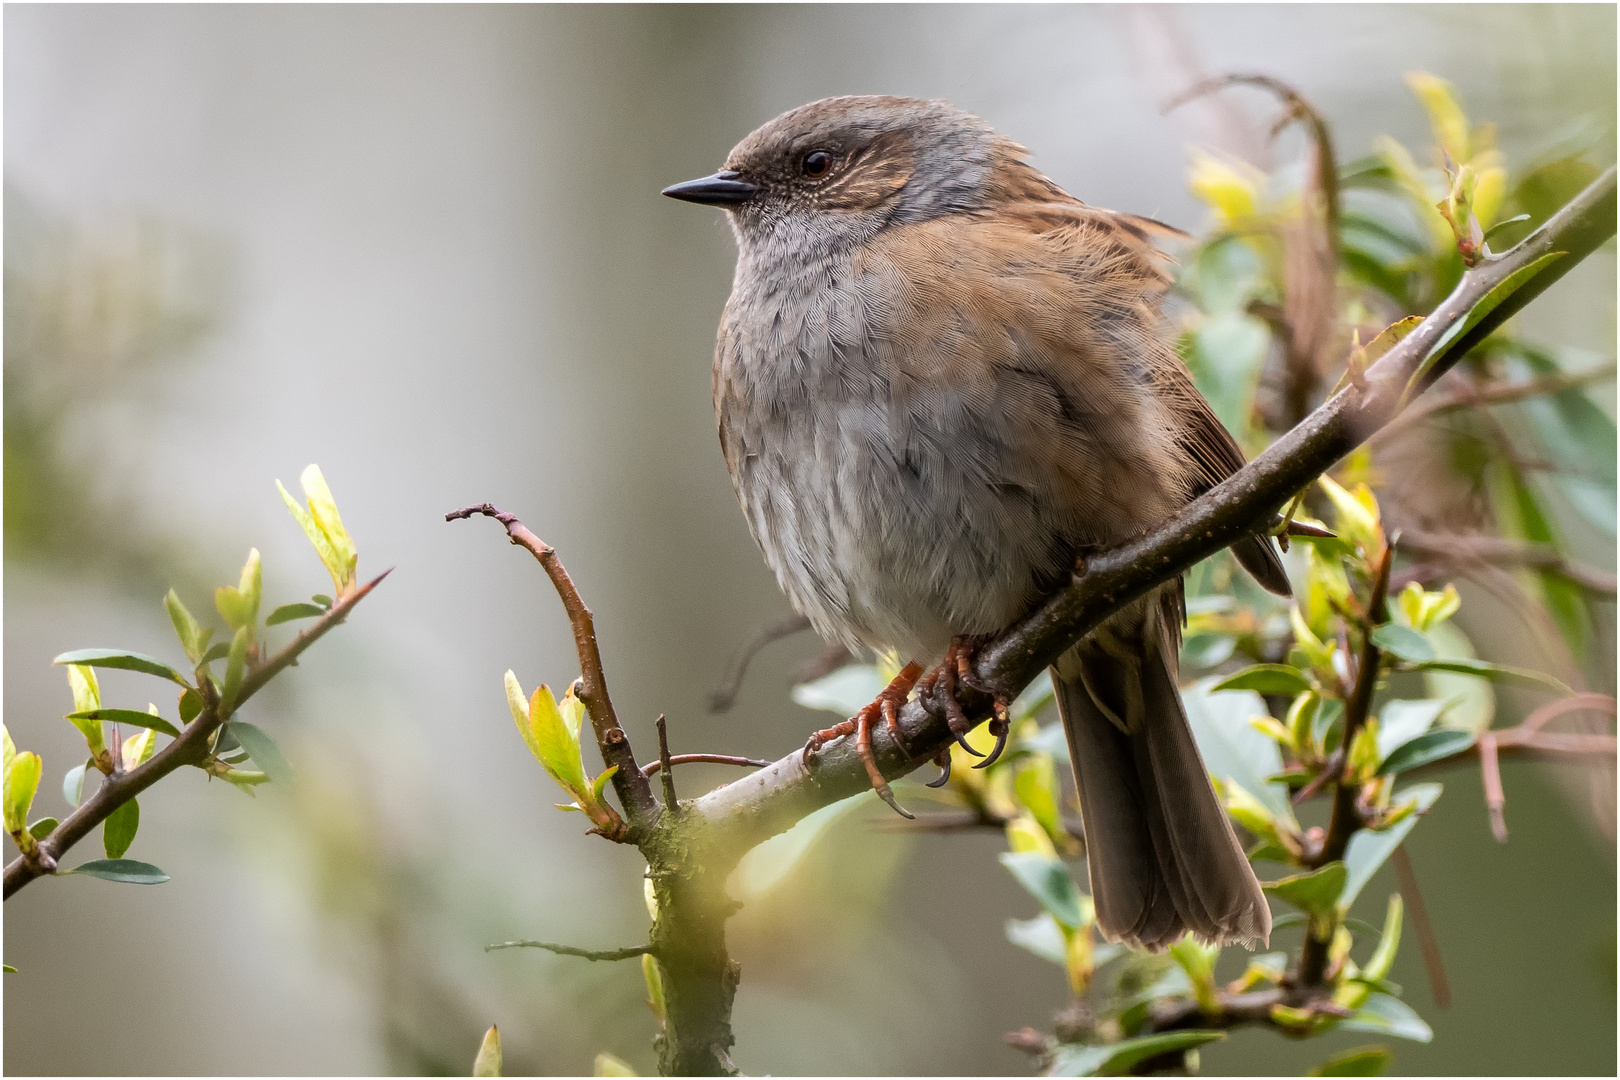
(1225, 356)
(185, 627)
(1362, 1061)
(1047, 880)
(1387, 1015)
(1315, 893)
(655, 986)
(43, 827)
(1232, 750)
(235, 668)
(1117, 1059)
(323, 508)
(289, 612)
(133, 717)
(190, 705)
(73, 785)
(1369, 848)
(218, 651)
(769, 864)
(239, 606)
(1402, 721)
(1266, 679)
(1470, 702)
(1432, 746)
(1498, 673)
(488, 1061)
(1388, 942)
(123, 659)
(9, 970)
(21, 782)
(263, 750)
(1042, 936)
(317, 539)
(120, 828)
(1489, 303)
(322, 601)
(128, 871)
(1403, 642)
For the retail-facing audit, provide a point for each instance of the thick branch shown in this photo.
(635, 794)
(190, 748)
(756, 807)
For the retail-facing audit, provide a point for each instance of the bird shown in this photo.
(939, 381)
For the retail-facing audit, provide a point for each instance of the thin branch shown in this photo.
(1470, 395)
(714, 759)
(1491, 775)
(747, 811)
(1452, 552)
(1428, 944)
(635, 794)
(725, 696)
(190, 748)
(592, 955)
(666, 763)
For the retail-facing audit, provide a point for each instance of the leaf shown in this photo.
(655, 986)
(1117, 1059)
(1047, 880)
(322, 601)
(608, 1065)
(1470, 702)
(1369, 848)
(846, 691)
(1383, 958)
(138, 748)
(185, 627)
(1402, 721)
(1403, 642)
(218, 651)
(558, 746)
(1315, 893)
(8, 969)
(235, 668)
(769, 864)
(21, 781)
(42, 828)
(1225, 356)
(263, 750)
(122, 659)
(1432, 746)
(1387, 1015)
(1362, 1061)
(190, 705)
(128, 871)
(1266, 679)
(1498, 673)
(73, 785)
(289, 612)
(323, 508)
(239, 606)
(488, 1061)
(133, 717)
(1231, 749)
(1041, 935)
(118, 832)
(1487, 304)
(317, 539)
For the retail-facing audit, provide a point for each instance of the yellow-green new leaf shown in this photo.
(317, 539)
(519, 704)
(323, 508)
(86, 698)
(488, 1061)
(11, 750)
(1036, 785)
(186, 628)
(1384, 957)
(235, 669)
(558, 747)
(22, 780)
(1446, 116)
(239, 606)
(655, 986)
(138, 748)
(608, 1065)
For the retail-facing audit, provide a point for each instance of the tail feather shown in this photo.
(1162, 856)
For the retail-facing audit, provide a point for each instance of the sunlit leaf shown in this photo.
(654, 979)
(608, 1065)
(1401, 721)
(239, 606)
(123, 659)
(770, 863)
(21, 782)
(235, 670)
(488, 1061)
(1041, 935)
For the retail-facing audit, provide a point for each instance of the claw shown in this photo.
(999, 727)
(863, 743)
(963, 743)
(944, 763)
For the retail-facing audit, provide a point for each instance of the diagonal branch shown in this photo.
(193, 745)
(750, 810)
(592, 955)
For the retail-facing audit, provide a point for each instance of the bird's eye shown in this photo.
(817, 163)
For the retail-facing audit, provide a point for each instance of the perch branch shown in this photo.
(190, 748)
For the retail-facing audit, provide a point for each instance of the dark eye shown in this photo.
(817, 163)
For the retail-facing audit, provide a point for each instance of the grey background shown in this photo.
(446, 276)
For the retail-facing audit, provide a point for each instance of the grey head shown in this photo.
(836, 171)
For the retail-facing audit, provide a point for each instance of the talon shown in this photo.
(944, 763)
(826, 735)
(999, 727)
(863, 743)
(963, 743)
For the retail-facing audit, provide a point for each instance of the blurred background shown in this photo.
(424, 247)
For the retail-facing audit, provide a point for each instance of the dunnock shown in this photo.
(939, 380)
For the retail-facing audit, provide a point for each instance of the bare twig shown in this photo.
(592, 955)
(713, 759)
(725, 696)
(190, 748)
(1495, 797)
(1453, 552)
(635, 794)
(665, 762)
(1470, 395)
(1439, 985)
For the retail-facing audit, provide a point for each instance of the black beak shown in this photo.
(721, 189)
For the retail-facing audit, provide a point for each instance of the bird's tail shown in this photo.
(1162, 856)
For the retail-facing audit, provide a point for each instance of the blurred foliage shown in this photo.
(93, 313)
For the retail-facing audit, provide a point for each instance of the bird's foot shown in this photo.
(954, 671)
(887, 706)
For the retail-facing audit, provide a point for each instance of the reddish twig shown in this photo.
(713, 759)
(1495, 797)
(725, 696)
(634, 792)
